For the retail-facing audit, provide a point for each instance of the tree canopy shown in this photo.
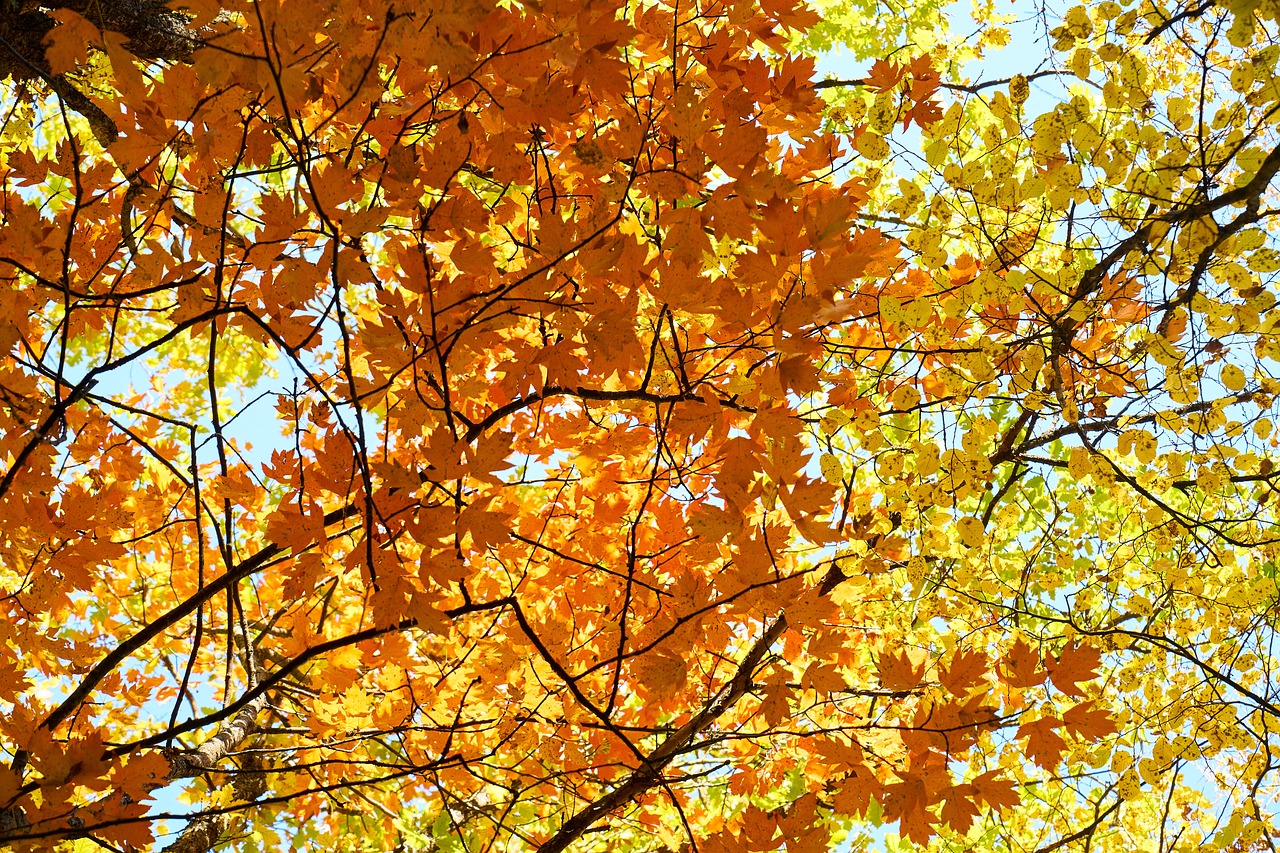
(586, 424)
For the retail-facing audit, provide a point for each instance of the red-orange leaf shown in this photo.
(959, 808)
(1076, 664)
(1088, 721)
(924, 77)
(964, 672)
(884, 75)
(994, 791)
(898, 671)
(1044, 746)
(1021, 666)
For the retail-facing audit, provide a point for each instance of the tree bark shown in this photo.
(154, 33)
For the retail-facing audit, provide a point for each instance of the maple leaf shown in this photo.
(964, 672)
(898, 671)
(424, 607)
(724, 841)
(1020, 667)
(663, 672)
(128, 79)
(490, 455)
(857, 790)
(1075, 665)
(776, 705)
(959, 809)
(80, 759)
(827, 218)
(759, 829)
(10, 782)
(1044, 745)
(1088, 721)
(487, 527)
(142, 773)
(884, 75)
(356, 706)
(994, 791)
(126, 825)
(906, 802)
(801, 823)
(798, 375)
(687, 239)
(824, 678)
(925, 113)
(67, 45)
(838, 754)
(924, 77)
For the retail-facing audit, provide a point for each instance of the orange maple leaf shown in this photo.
(776, 705)
(838, 753)
(67, 45)
(1076, 664)
(141, 774)
(663, 672)
(898, 671)
(1044, 745)
(995, 792)
(803, 827)
(758, 829)
(1019, 667)
(964, 672)
(10, 782)
(925, 113)
(884, 75)
(128, 79)
(959, 808)
(1089, 721)
(924, 77)
(857, 790)
(487, 527)
(907, 803)
(128, 826)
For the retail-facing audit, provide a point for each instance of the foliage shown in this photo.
(497, 426)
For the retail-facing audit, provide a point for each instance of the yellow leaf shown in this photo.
(872, 146)
(1082, 62)
(1129, 787)
(1233, 378)
(1019, 89)
(970, 532)
(905, 398)
(832, 470)
(356, 702)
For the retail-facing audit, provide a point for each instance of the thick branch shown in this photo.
(153, 33)
(201, 834)
(152, 30)
(229, 736)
